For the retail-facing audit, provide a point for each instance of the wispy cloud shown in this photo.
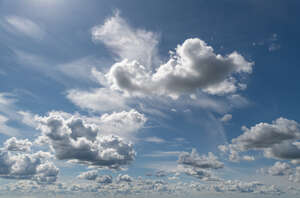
(20, 25)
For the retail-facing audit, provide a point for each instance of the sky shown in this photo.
(149, 98)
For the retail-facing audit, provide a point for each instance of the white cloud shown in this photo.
(101, 99)
(13, 144)
(277, 140)
(193, 159)
(88, 140)
(32, 166)
(127, 42)
(193, 164)
(194, 66)
(89, 175)
(245, 187)
(16, 24)
(226, 118)
(154, 139)
(280, 169)
(124, 178)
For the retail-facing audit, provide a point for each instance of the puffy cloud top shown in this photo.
(13, 144)
(277, 140)
(193, 66)
(81, 140)
(206, 162)
(27, 166)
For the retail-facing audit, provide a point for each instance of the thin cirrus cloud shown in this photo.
(23, 26)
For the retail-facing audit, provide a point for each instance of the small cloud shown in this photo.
(226, 118)
(154, 140)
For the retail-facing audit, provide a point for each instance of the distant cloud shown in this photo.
(13, 144)
(154, 140)
(277, 140)
(21, 25)
(89, 175)
(226, 118)
(193, 164)
(279, 169)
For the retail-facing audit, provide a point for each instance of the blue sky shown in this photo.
(149, 98)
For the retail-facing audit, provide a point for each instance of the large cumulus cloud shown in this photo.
(86, 140)
(15, 164)
(277, 140)
(193, 66)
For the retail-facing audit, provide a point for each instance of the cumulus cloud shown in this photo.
(104, 179)
(198, 166)
(31, 166)
(84, 140)
(193, 159)
(280, 169)
(277, 140)
(245, 187)
(89, 175)
(124, 178)
(264, 135)
(193, 66)
(13, 144)
(126, 41)
(17, 25)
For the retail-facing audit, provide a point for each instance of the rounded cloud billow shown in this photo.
(89, 140)
(194, 66)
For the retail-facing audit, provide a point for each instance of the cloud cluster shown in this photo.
(277, 140)
(93, 176)
(199, 166)
(193, 66)
(13, 144)
(245, 187)
(86, 140)
(280, 169)
(14, 164)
